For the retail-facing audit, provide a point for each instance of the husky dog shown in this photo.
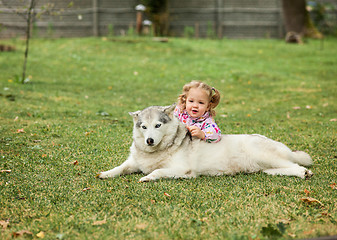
(163, 148)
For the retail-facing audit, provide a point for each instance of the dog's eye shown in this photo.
(158, 125)
(143, 127)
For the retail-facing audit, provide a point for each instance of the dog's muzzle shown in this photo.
(150, 141)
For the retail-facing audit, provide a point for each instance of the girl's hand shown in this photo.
(196, 132)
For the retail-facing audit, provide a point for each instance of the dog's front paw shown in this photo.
(308, 174)
(102, 175)
(147, 178)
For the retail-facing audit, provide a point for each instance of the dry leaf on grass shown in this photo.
(21, 233)
(6, 171)
(20, 130)
(40, 235)
(141, 226)
(97, 223)
(4, 224)
(86, 189)
(333, 186)
(167, 195)
(306, 192)
(311, 200)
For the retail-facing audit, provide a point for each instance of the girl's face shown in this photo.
(197, 102)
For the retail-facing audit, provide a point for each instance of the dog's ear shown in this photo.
(134, 115)
(169, 110)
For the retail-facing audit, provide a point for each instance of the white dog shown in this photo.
(163, 148)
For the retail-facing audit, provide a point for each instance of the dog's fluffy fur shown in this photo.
(163, 148)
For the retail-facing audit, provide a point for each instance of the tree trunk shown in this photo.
(297, 21)
(294, 14)
(29, 21)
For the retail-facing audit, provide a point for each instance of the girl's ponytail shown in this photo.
(215, 99)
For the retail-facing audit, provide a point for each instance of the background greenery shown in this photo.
(71, 121)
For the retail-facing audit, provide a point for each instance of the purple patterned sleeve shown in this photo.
(212, 131)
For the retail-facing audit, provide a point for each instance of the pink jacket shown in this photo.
(206, 123)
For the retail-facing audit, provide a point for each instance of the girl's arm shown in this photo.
(212, 132)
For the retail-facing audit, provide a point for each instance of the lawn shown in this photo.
(70, 121)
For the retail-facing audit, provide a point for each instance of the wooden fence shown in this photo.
(200, 18)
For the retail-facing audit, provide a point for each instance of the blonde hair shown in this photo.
(213, 95)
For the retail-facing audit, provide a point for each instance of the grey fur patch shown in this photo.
(138, 124)
(151, 113)
(164, 118)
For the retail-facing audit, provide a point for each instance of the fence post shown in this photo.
(140, 8)
(95, 17)
(219, 18)
(280, 19)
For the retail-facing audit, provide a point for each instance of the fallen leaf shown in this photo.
(40, 235)
(296, 108)
(311, 200)
(75, 162)
(87, 134)
(86, 189)
(310, 232)
(97, 223)
(333, 186)
(167, 195)
(16, 118)
(7, 171)
(308, 107)
(306, 192)
(292, 235)
(333, 120)
(21, 233)
(141, 226)
(20, 130)
(325, 104)
(288, 115)
(4, 224)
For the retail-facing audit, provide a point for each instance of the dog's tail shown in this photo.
(302, 158)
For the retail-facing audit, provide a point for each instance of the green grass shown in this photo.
(75, 81)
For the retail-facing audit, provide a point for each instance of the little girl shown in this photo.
(195, 109)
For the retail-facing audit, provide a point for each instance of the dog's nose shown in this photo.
(150, 141)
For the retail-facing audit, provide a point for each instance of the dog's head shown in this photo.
(152, 125)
